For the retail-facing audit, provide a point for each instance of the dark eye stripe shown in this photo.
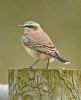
(31, 26)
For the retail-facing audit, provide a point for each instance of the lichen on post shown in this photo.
(44, 84)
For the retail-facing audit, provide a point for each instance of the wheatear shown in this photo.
(38, 44)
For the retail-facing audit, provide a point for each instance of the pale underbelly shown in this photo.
(38, 55)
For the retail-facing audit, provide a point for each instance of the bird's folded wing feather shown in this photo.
(37, 46)
(42, 47)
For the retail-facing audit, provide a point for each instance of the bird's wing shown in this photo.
(37, 45)
(43, 48)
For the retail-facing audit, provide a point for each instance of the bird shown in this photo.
(39, 45)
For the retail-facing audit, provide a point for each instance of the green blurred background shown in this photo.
(61, 19)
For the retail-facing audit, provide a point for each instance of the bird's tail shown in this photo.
(59, 57)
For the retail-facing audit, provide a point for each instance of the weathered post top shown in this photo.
(44, 84)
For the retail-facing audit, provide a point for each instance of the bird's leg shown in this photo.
(47, 64)
(34, 64)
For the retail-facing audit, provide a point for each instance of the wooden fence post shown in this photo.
(44, 84)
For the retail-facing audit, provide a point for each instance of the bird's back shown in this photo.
(42, 38)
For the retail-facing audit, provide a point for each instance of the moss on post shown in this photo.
(44, 84)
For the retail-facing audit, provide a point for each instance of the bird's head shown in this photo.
(30, 26)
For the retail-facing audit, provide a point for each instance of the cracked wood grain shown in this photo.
(44, 84)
